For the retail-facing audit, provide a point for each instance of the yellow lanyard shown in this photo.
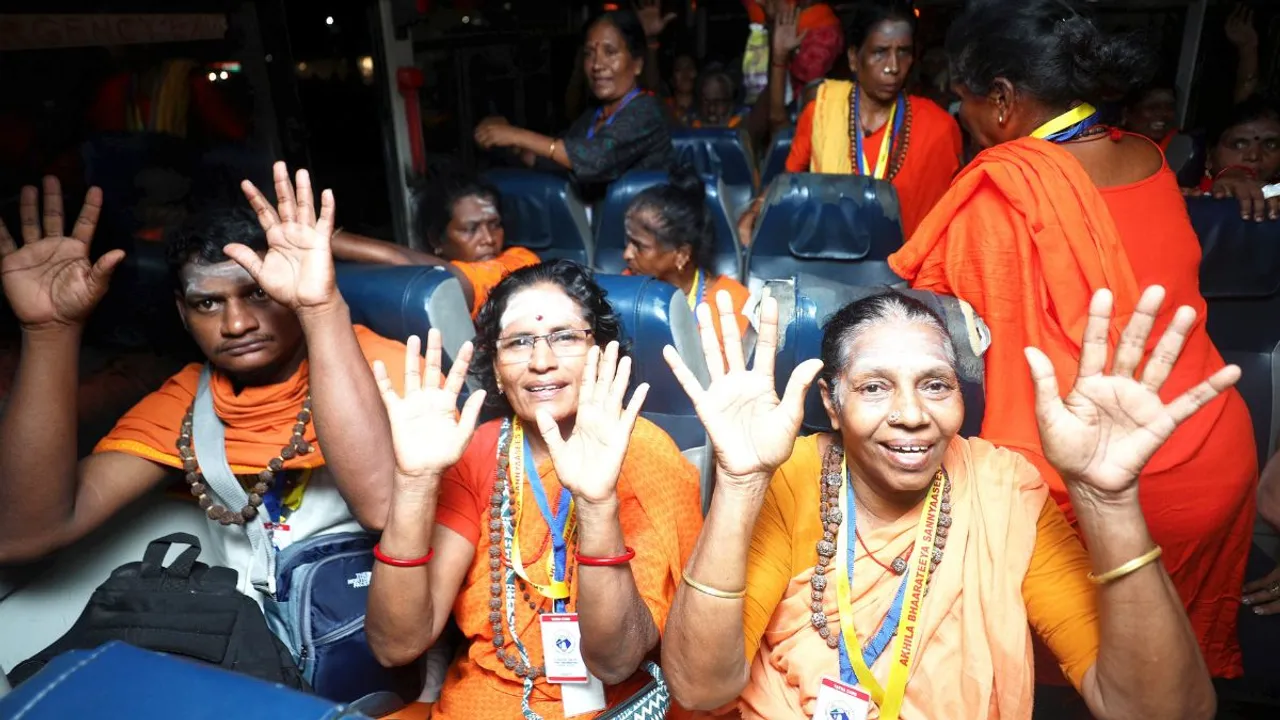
(694, 292)
(904, 647)
(554, 589)
(1065, 120)
(882, 161)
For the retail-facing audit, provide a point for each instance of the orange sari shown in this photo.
(259, 420)
(738, 292)
(1010, 560)
(934, 148)
(1027, 206)
(484, 276)
(660, 516)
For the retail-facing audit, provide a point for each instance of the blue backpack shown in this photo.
(322, 591)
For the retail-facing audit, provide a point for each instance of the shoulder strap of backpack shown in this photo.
(209, 441)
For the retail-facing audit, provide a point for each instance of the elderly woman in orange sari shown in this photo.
(894, 567)
(1056, 208)
(567, 512)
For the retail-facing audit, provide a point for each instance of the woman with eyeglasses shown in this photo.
(568, 503)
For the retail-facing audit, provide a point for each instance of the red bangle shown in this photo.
(622, 559)
(397, 562)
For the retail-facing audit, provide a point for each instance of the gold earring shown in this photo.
(1001, 118)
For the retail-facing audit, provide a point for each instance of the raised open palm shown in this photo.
(752, 431)
(49, 281)
(1110, 424)
(427, 431)
(589, 461)
(786, 36)
(297, 271)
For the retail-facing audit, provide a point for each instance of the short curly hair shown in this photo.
(200, 239)
(569, 276)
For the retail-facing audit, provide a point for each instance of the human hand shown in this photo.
(752, 431)
(297, 270)
(1101, 435)
(649, 12)
(1254, 205)
(489, 135)
(589, 462)
(1240, 30)
(49, 281)
(427, 431)
(1263, 594)
(785, 37)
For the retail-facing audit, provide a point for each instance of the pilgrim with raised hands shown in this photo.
(553, 535)
(893, 567)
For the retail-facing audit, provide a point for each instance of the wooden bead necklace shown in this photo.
(266, 478)
(898, 149)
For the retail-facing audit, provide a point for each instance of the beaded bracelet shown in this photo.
(622, 559)
(397, 562)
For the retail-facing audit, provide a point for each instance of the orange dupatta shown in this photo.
(484, 276)
(259, 421)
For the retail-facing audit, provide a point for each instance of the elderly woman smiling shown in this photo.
(896, 565)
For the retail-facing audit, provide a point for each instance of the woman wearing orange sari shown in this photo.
(465, 536)
(893, 567)
(670, 236)
(1057, 208)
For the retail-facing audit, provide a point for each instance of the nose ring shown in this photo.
(888, 71)
(895, 416)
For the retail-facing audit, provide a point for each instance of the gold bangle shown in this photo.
(708, 590)
(1128, 568)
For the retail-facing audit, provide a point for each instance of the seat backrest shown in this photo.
(398, 301)
(721, 152)
(775, 161)
(1240, 280)
(806, 302)
(543, 212)
(654, 315)
(841, 227)
(611, 233)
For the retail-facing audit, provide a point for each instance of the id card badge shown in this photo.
(580, 691)
(280, 533)
(839, 701)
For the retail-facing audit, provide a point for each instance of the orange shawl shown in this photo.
(484, 276)
(660, 516)
(259, 421)
(974, 659)
(934, 148)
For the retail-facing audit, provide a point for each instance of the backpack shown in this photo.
(188, 609)
(322, 590)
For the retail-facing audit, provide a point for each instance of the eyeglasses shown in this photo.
(563, 344)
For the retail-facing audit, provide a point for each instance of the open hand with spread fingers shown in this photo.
(427, 431)
(297, 270)
(752, 431)
(1106, 429)
(50, 281)
(589, 461)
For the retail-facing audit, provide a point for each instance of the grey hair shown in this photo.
(848, 324)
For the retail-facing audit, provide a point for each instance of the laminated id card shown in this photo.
(838, 701)
(561, 648)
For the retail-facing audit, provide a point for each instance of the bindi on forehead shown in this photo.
(540, 306)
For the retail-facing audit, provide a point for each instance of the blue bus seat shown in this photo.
(119, 680)
(544, 213)
(775, 160)
(723, 153)
(840, 227)
(805, 302)
(611, 234)
(654, 315)
(1240, 280)
(398, 301)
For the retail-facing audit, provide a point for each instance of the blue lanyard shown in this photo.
(591, 131)
(1074, 131)
(889, 626)
(899, 117)
(556, 522)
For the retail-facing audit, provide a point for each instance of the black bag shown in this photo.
(187, 609)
